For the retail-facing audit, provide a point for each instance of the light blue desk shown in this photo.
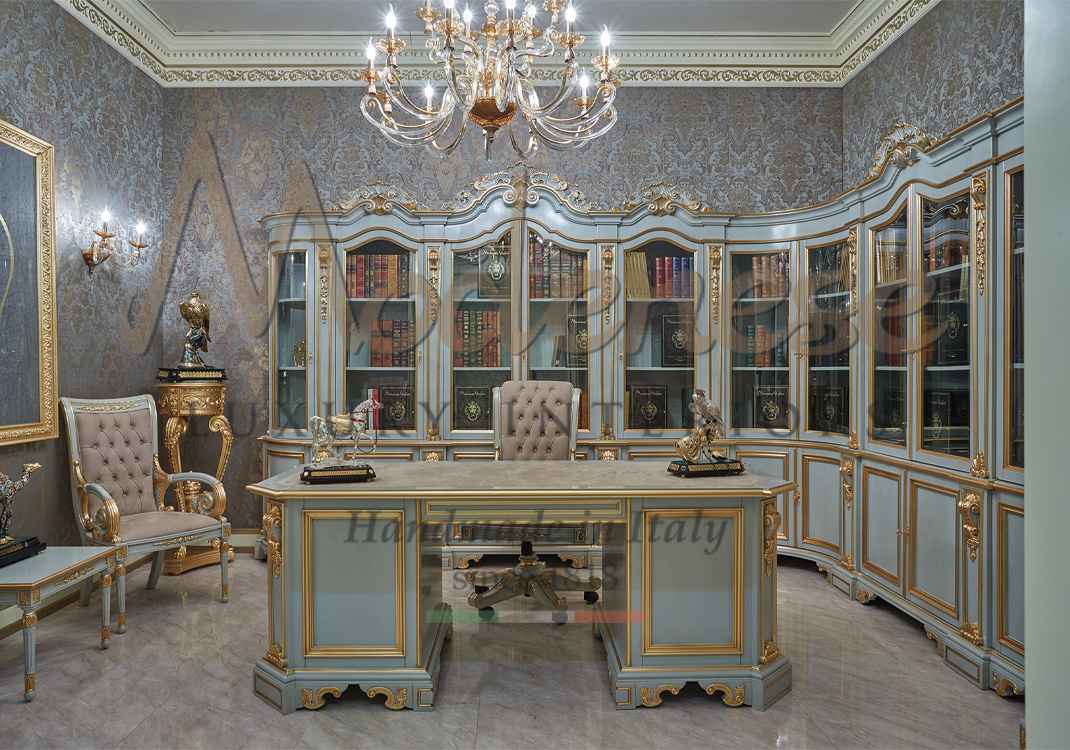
(355, 580)
(52, 571)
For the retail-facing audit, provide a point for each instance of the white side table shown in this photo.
(52, 571)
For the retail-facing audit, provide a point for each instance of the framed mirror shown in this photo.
(27, 288)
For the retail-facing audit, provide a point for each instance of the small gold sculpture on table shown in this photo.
(696, 446)
(325, 465)
(14, 549)
(198, 316)
(299, 354)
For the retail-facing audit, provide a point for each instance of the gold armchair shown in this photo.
(117, 487)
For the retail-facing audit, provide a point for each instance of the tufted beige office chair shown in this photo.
(117, 487)
(534, 420)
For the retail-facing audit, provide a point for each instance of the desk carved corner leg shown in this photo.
(29, 648)
(105, 610)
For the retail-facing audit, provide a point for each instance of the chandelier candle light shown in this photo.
(489, 79)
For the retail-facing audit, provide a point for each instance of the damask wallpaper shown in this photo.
(203, 165)
(104, 118)
(962, 59)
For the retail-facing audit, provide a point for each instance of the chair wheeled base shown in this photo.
(529, 578)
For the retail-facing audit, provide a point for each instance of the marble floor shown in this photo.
(181, 676)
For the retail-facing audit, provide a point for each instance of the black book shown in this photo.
(826, 409)
(471, 408)
(577, 341)
(894, 409)
(953, 346)
(493, 280)
(677, 341)
(398, 412)
(648, 404)
(771, 407)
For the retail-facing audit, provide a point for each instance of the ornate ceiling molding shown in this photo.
(204, 60)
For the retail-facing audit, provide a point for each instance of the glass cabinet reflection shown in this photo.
(1014, 417)
(558, 341)
(482, 319)
(944, 336)
(659, 326)
(291, 344)
(380, 333)
(890, 335)
(827, 343)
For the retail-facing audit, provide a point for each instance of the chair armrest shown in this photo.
(212, 503)
(104, 524)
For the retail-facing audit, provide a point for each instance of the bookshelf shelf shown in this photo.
(380, 369)
(830, 295)
(658, 369)
(948, 269)
(291, 300)
(751, 300)
(380, 299)
(282, 368)
(658, 299)
(946, 368)
(889, 368)
(830, 368)
(761, 369)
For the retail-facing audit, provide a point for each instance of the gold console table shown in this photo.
(178, 402)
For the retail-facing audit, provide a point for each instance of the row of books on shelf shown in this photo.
(393, 343)
(472, 407)
(765, 347)
(669, 278)
(556, 273)
(890, 266)
(769, 275)
(398, 411)
(946, 254)
(477, 338)
(378, 275)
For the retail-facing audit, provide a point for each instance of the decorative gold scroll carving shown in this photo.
(507, 180)
(852, 257)
(75, 575)
(731, 698)
(847, 562)
(433, 434)
(852, 442)
(273, 518)
(432, 282)
(29, 619)
(105, 581)
(939, 641)
(978, 190)
(377, 198)
(847, 472)
(433, 455)
(396, 703)
(771, 520)
(26, 595)
(318, 700)
(325, 280)
(1003, 686)
(653, 698)
(607, 455)
(606, 432)
(274, 656)
(186, 399)
(177, 540)
(662, 198)
(826, 571)
(464, 562)
(863, 596)
(715, 282)
(900, 147)
(979, 465)
(770, 652)
(576, 561)
(971, 503)
(607, 280)
(971, 632)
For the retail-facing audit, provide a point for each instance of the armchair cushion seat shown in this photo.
(142, 526)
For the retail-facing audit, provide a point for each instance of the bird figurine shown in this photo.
(199, 316)
(691, 447)
(8, 488)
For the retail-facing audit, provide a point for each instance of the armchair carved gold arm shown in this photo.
(212, 503)
(103, 525)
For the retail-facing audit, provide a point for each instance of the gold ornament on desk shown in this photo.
(14, 549)
(697, 446)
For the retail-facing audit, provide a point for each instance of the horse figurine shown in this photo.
(8, 488)
(352, 426)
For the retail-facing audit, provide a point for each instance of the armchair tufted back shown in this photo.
(115, 449)
(535, 420)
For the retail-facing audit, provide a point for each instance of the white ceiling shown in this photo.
(660, 42)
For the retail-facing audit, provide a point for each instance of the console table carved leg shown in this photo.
(29, 648)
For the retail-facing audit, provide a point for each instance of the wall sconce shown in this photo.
(103, 248)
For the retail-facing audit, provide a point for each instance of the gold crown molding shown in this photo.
(518, 181)
(662, 198)
(900, 148)
(309, 60)
(378, 198)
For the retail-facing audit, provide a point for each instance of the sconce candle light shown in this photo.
(103, 248)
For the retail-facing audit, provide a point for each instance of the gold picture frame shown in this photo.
(27, 287)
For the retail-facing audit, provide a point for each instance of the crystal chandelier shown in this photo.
(490, 77)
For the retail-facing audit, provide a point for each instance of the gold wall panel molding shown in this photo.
(662, 198)
(716, 254)
(731, 697)
(900, 148)
(652, 697)
(393, 701)
(316, 701)
(771, 521)
(971, 631)
(971, 503)
(847, 472)
(378, 198)
(272, 519)
(978, 192)
(1003, 686)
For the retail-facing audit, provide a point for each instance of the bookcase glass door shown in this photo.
(659, 325)
(828, 339)
(944, 335)
(380, 333)
(760, 316)
(291, 344)
(558, 339)
(890, 335)
(1015, 356)
(482, 310)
